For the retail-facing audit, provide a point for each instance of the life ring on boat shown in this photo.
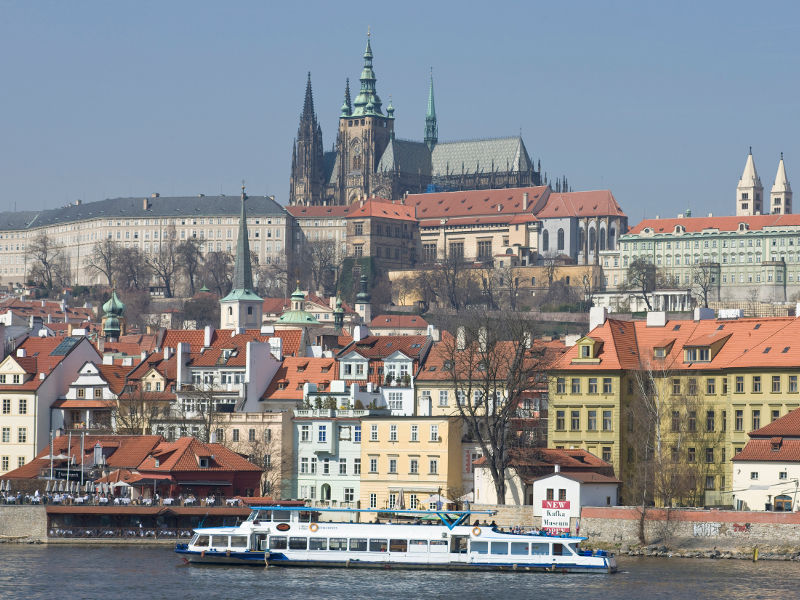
(313, 527)
(476, 531)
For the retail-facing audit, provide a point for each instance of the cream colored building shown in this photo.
(140, 223)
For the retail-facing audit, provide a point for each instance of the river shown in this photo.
(152, 572)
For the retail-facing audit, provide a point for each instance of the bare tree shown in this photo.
(490, 364)
(641, 279)
(47, 260)
(703, 281)
(102, 260)
(550, 265)
(134, 413)
(164, 262)
(321, 261)
(271, 279)
(203, 310)
(263, 450)
(217, 271)
(131, 269)
(191, 260)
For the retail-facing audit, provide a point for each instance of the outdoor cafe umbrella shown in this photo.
(47, 487)
(61, 486)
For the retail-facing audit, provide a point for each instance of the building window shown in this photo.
(756, 384)
(395, 400)
(413, 466)
(484, 249)
(562, 494)
(561, 385)
(392, 465)
(235, 435)
(357, 434)
(592, 385)
(607, 425)
(358, 250)
(739, 384)
(711, 386)
(691, 456)
(710, 420)
(349, 494)
(6, 406)
(443, 397)
(576, 385)
(434, 433)
(691, 386)
(753, 474)
(710, 482)
(322, 434)
(373, 433)
(342, 466)
(575, 420)
(22, 435)
(776, 414)
(304, 465)
(560, 420)
(793, 384)
(607, 454)
(434, 466)
(756, 419)
(82, 391)
(591, 421)
(415, 433)
(739, 420)
(4, 463)
(251, 435)
(607, 385)
(6, 434)
(549, 494)
(356, 466)
(393, 433)
(676, 421)
(373, 465)
(305, 433)
(692, 420)
(776, 384)
(358, 228)
(373, 500)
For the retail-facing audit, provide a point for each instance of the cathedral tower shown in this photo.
(364, 133)
(780, 198)
(749, 192)
(306, 184)
(431, 129)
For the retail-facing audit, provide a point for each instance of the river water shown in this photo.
(154, 572)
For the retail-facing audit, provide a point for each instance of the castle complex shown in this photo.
(370, 161)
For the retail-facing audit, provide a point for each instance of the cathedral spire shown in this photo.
(308, 103)
(749, 191)
(347, 106)
(431, 128)
(781, 193)
(367, 102)
(242, 271)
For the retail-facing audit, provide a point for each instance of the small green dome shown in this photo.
(111, 325)
(114, 306)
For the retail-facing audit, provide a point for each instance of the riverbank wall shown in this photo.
(23, 523)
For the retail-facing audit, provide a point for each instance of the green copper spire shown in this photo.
(431, 128)
(367, 102)
(242, 285)
(347, 106)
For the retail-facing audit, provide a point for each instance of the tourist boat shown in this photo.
(401, 539)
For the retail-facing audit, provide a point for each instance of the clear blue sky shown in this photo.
(657, 101)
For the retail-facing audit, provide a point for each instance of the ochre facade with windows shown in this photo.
(713, 381)
(406, 460)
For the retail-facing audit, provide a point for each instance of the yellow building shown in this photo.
(405, 460)
(679, 395)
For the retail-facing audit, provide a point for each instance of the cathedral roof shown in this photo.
(480, 156)
(750, 177)
(406, 156)
(595, 203)
(781, 184)
(475, 203)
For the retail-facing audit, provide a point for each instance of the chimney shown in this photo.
(108, 359)
(143, 355)
(461, 338)
(656, 318)
(525, 201)
(556, 468)
(182, 356)
(597, 316)
(145, 203)
(21, 353)
(208, 333)
(167, 353)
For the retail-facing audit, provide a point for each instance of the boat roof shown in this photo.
(377, 510)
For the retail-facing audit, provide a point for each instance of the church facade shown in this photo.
(369, 160)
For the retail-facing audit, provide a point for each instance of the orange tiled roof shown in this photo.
(594, 203)
(194, 337)
(383, 346)
(115, 375)
(475, 202)
(294, 372)
(786, 426)
(724, 223)
(768, 450)
(275, 306)
(319, 211)
(400, 321)
(382, 208)
(182, 455)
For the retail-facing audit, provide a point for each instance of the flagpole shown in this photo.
(83, 441)
(51, 454)
(69, 453)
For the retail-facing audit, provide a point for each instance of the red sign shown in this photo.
(283, 527)
(560, 504)
(555, 515)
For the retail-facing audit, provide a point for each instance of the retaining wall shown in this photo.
(26, 522)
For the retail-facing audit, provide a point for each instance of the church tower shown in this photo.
(364, 133)
(749, 192)
(242, 308)
(306, 184)
(431, 129)
(780, 198)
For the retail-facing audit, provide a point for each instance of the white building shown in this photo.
(579, 489)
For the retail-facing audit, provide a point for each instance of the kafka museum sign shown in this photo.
(555, 515)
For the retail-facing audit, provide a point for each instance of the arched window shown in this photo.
(545, 241)
(602, 239)
(533, 280)
(230, 310)
(560, 239)
(592, 239)
(611, 235)
(581, 239)
(249, 310)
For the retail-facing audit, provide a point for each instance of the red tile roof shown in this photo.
(786, 426)
(595, 203)
(383, 346)
(765, 450)
(757, 342)
(115, 375)
(194, 337)
(475, 202)
(275, 306)
(725, 223)
(183, 454)
(83, 403)
(380, 207)
(320, 211)
(39, 359)
(294, 372)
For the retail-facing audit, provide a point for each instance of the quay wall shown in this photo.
(23, 523)
(691, 528)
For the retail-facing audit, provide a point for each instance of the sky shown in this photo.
(656, 101)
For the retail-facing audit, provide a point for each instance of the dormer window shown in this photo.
(158, 463)
(202, 462)
(702, 354)
(16, 378)
(586, 351)
(659, 352)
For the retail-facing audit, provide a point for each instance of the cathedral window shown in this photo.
(560, 237)
(358, 250)
(358, 229)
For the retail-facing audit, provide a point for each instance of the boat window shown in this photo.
(499, 547)
(519, 548)
(339, 544)
(277, 542)
(238, 541)
(558, 549)
(398, 545)
(304, 516)
(438, 545)
(281, 515)
(298, 543)
(539, 548)
(202, 541)
(260, 542)
(418, 546)
(318, 544)
(220, 541)
(358, 545)
(260, 515)
(568, 549)
(378, 545)
(479, 547)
